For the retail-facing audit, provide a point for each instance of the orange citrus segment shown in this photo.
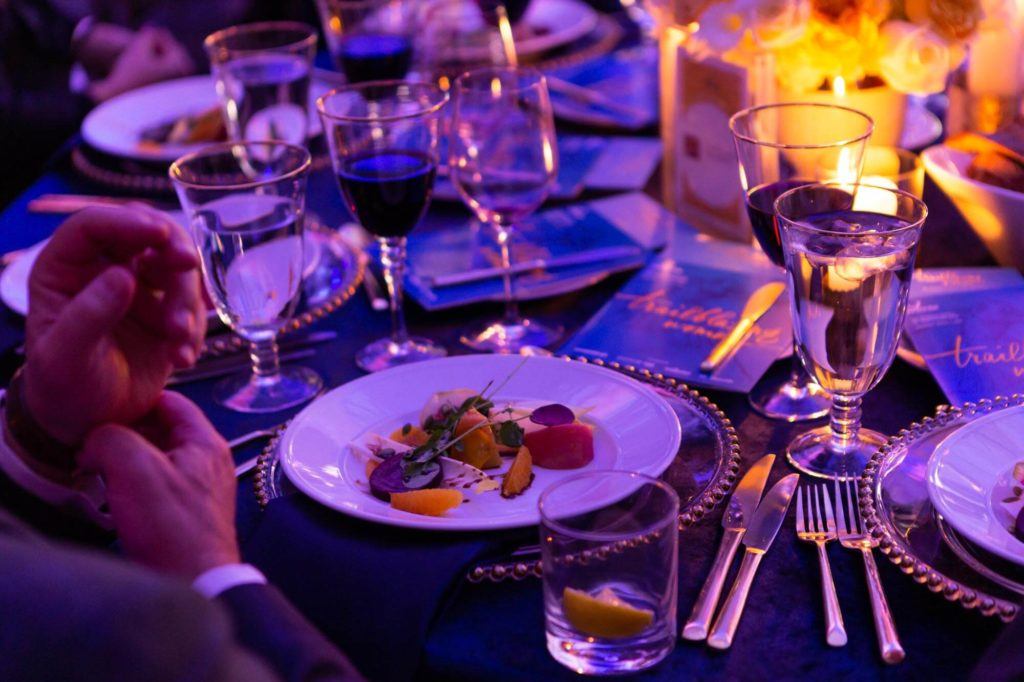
(604, 615)
(429, 502)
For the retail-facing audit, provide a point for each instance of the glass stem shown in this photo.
(266, 368)
(511, 306)
(797, 376)
(844, 422)
(392, 257)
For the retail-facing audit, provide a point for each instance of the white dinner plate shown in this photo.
(970, 474)
(554, 23)
(116, 126)
(14, 279)
(634, 430)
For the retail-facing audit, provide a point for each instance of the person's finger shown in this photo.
(184, 423)
(170, 321)
(95, 310)
(129, 464)
(104, 233)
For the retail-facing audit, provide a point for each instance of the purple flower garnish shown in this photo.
(552, 415)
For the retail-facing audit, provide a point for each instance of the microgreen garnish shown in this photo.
(406, 429)
(510, 434)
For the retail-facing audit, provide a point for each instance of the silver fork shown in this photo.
(852, 535)
(818, 525)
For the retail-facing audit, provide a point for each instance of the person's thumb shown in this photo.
(128, 463)
(96, 309)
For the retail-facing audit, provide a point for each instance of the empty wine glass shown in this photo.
(245, 203)
(262, 72)
(383, 138)
(849, 251)
(503, 160)
(456, 36)
(781, 146)
(369, 40)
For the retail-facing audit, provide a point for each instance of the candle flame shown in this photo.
(839, 86)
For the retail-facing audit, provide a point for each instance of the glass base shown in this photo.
(788, 401)
(247, 393)
(499, 337)
(385, 353)
(810, 453)
(586, 656)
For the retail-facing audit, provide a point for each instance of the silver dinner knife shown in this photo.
(757, 305)
(735, 520)
(763, 528)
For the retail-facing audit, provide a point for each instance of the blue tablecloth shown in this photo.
(397, 602)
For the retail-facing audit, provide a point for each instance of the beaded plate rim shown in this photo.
(889, 539)
(716, 490)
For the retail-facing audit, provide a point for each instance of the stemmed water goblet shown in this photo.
(369, 40)
(383, 139)
(245, 203)
(262, 73)
(779, 147)
(503, 161)
(849, 252)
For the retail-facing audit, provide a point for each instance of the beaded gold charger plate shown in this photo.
(910, 531)
(703, 472)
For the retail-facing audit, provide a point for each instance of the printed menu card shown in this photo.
(968, 325)
(672, 314)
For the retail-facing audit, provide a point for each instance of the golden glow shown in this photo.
(839, 86)
(507, 42)
(444, 83)
(496, 87)
(549, 157)
(335, 24)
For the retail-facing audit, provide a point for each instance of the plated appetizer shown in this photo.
(1015, 502)
(201, 127)
(466, 441)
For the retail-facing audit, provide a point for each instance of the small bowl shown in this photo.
(992, 212)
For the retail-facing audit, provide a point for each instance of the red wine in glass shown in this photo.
(388, 191)
(761, 209)
(374, 57)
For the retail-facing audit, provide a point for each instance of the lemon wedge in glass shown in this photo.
(604, 615)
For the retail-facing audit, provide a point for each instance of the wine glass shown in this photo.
(369, 40)
(383, 139)
(503, 161)
(245, 203)
(849, 251)
(262, 72)
(456, 36)
(781, 146)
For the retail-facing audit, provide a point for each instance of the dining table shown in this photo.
(397, 601)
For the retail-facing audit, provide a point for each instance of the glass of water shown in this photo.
(245, 204)
(609, 543)
(849, 251)
(262, 73)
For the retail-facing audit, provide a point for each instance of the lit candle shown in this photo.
(994, 67)
(873, 195)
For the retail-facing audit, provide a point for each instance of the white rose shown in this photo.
(779, 23)
(723, 24)
(914, 59)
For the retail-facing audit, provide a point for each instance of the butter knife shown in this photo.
(757, 305)
(764, 526)
(735, 520)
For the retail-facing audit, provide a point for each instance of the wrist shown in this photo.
(33, 442)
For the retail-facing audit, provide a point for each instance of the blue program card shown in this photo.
(973, 342)
(940, 281)
(627, 77)
(582, 245)
(671, 314)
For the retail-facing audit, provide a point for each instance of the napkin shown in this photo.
(373, 590)
(581, 244)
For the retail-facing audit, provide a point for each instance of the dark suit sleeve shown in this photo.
(270, 627)
(1004, 661)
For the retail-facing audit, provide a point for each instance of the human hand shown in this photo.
(153, 55)
(99, 49)
(170, 487)
(115, 306)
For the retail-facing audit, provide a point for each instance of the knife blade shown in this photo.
(757, 305)
(735, 519)
(761, 532)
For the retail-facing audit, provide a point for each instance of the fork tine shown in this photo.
(822, 524)
(840, 515)
(854, 515)
(830, 522)
(812, 503)
(800, 525)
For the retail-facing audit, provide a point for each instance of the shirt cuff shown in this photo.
(87, 499)
(223, 578)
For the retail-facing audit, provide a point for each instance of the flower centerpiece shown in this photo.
(872, 52)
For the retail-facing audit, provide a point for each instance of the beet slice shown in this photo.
(389, 477)
(554, 414)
